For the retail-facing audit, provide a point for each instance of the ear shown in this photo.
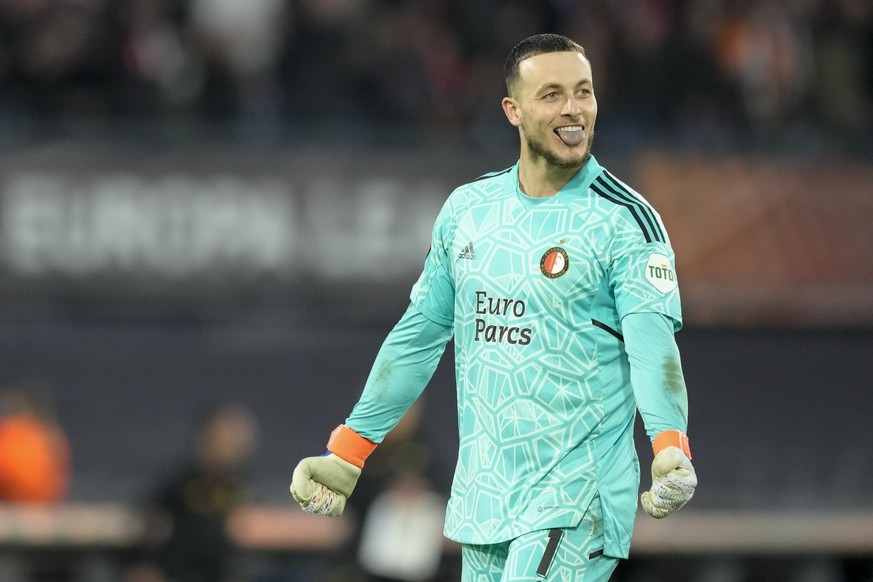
(511, 109)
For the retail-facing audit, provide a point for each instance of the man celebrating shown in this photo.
(557, 281)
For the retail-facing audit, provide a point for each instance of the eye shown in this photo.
(550, 96)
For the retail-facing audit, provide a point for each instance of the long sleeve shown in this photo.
(403, 367)
(656, 372)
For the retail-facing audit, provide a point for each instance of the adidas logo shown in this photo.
(467, 252)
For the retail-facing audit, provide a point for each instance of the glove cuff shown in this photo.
(350, 446)
(672, 438)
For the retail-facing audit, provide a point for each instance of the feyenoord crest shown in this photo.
(554, 263)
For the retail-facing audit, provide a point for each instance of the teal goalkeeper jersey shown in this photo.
(534, 291)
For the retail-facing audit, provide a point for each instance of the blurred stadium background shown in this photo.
(205, 201)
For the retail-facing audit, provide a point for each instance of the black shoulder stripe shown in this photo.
(634, 210)
(619, 189)
(492, 174)
(644, 211)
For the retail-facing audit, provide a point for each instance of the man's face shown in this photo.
(553, 106)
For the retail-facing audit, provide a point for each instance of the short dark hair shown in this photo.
(536, 45)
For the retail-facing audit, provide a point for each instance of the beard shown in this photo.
(540, 149)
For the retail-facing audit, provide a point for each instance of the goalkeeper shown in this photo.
(557, 282)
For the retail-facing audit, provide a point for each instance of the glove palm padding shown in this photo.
(673, 483)
(321, 485)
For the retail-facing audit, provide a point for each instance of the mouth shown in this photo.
(571, 135)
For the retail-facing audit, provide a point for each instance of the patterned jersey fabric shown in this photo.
(535, 290)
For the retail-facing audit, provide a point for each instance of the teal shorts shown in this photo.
(557, 555)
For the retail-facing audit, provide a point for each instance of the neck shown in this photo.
(539, 179)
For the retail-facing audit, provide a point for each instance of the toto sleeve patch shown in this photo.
(660, 273)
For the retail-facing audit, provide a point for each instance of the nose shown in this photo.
(571, 107)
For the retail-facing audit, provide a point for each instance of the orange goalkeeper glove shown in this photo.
(673, 476)
(321, 485)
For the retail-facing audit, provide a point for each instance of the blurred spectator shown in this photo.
(647, 53)
(34, 451)
(238, 44)
(196, 504)
(316, 67)
(400, 512)
(52, 57)
(419, 78)
(844, 67)
(401, 539)
(765, 49)
(157, 70)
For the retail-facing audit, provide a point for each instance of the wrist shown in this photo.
(671, 438)
(348, 445)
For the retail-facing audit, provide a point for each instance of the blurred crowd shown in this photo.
(770, 66)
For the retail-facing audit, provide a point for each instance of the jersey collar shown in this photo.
(576, 187)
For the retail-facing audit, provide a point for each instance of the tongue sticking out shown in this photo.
(571, 137)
